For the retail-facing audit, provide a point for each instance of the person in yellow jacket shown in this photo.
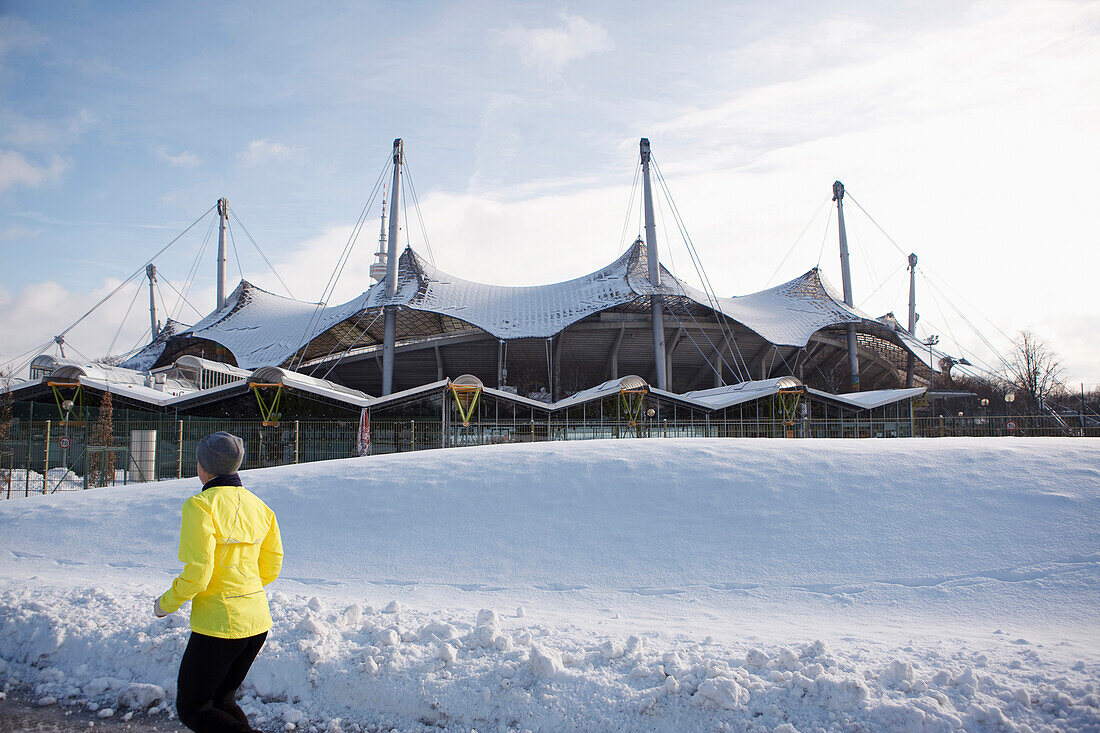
(231, 548)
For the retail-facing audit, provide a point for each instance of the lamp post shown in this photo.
(930, 342)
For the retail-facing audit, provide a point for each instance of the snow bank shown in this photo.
(20, 483)
(100, 649)
(659, 585)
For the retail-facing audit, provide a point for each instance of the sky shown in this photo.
(965, 130)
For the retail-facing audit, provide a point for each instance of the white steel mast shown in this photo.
(151, 273)
(389, 310)
(910, 361)
(846, 276)
(654, 271)
(223, 205)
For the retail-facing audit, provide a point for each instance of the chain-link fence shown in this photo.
(44, 456)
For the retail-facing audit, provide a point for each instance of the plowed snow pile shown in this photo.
(669, 585)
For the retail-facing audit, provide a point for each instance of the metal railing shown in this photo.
(45, 456)
(999, 426)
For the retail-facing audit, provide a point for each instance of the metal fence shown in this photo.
(46, 456)
(1042, 426)
(49, 456)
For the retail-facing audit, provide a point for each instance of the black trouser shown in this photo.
(211, 671)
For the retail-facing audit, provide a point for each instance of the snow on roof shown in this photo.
(119, 376)
(750, 386)
(259, 327)
(101, 372)
(147, 356)
(262, 328)
(407, 393)
(68, 368)
(789, 314)
(874, 398)
(306, 383)
(138, 392)
(610, 387)
(728, 395)
(105, 378)
(16, 386)
(443, 383)
(522, 312)
(206, 395)
(715, 398)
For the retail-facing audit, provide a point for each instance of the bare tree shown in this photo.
(1033, 370)
(5, 405)
(5, 430)
(991, 388)
(101, 463)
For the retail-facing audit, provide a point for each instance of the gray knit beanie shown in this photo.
(220, 453)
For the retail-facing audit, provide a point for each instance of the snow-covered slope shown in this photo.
(671, 585)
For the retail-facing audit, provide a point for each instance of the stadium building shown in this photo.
(551, 341)
(427, 359)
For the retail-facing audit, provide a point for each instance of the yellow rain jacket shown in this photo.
(231, 549)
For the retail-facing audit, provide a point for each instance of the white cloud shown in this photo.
(307, 267)
(12, 233)
(869, 77)
(550, 50)
(24, 133)
(17, 34)
(17, 170)
(183, 159)
(33, 315)
(262, 151)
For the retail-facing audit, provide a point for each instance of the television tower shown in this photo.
(378, 268)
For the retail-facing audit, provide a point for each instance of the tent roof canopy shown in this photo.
(261, 328)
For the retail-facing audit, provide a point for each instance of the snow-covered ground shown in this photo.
(669, 585)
